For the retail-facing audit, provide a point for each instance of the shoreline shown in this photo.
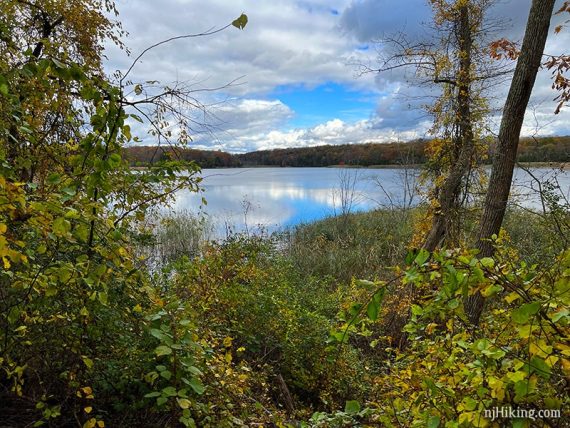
(554, 165)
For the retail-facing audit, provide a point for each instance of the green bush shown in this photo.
(362, 245)
(278, 319)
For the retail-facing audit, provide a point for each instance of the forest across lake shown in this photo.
(542, 149)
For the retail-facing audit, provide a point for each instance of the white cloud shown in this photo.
(332, 132)
(305, 43)
(285, 42)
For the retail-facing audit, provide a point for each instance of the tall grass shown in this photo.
(364, 245)
(359, 245)
(173, 235)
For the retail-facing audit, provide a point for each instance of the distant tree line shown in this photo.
(543, 149)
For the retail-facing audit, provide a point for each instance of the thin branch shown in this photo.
(187, 36)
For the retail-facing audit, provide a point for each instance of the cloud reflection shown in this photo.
(273, 198)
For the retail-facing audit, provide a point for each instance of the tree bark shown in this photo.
(527, 67)
(448, 197)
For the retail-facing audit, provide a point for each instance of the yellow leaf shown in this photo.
(497, 388)
(431, 327)
(540, 348)
(517, 376)
(87, 361)
(90, 423)
(88, 409)
(101, 424)
(524, 331)
(551, 361)
(565, 366)
(512, 297)
(465, 417)
(183, 403)
(564, 348)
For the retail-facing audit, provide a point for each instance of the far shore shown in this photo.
(555, 165)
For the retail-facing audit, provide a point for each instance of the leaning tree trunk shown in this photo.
(448, 196)
(511, 123)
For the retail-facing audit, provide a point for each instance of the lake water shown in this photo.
(275, 198)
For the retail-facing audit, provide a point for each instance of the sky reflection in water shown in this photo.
(275, 198)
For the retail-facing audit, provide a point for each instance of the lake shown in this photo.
(275, 198)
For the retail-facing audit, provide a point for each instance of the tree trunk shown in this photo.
(524, 77)
(448, 196)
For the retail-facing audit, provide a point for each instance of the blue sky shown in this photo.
(298, 84)
(313, 106)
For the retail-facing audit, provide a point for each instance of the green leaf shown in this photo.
(521, 389)
(492, 290)
(169, 391)
(560, 314)
(3, 86)
(61, 226)
(433, 422)
(372, 310)
(162, 350)
(453, 304)
(365, 283)
(520, 423)
(103, 299)
(410, 257)
(195, 384)
(539, 366)
(352, 407)
(159, 334)
(161, 400)
(374, 305)
(522, 314)
(58, 63)
(153, 394)
(53, 178)
(115, 160)
(417, 310)
(240, 22)
(495, 354)
(422, 257)
(470, 404)
(355, 309)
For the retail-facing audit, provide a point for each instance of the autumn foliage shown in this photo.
(254, 330)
